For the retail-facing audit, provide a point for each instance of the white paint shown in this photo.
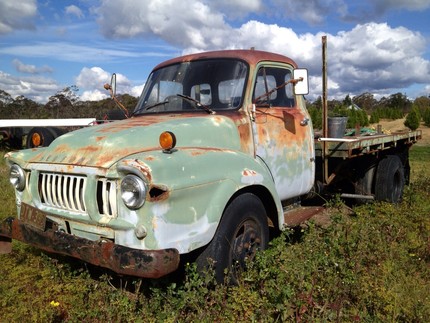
(4, 123)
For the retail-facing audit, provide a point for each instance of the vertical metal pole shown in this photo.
(324, 109)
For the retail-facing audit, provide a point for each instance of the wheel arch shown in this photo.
(266, 198)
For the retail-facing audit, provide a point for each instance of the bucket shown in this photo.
(336, 126)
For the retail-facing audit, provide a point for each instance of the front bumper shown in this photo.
(120, 259)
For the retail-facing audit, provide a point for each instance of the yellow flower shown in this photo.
(54, 303)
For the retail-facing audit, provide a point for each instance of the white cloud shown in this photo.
(94, 77)
(74, 11)
(137, 90)
(368, 57)
(376, 56)
(16, 15)
(188, 24)
(92, 80)
(94, 95)
(38, 89)
(30, 69)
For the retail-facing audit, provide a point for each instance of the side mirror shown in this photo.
(113, 84)
(302, 86)
(112, 89)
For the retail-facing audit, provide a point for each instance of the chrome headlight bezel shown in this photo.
(133, 191)
(17, 177)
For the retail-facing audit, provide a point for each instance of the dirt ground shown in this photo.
(396, 125)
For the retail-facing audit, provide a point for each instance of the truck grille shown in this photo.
(65, 192)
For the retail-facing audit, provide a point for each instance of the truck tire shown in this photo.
(364, 185)
(390, 179)
(243, 231)
(39, 137)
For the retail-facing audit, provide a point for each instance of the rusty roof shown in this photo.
(250, 56)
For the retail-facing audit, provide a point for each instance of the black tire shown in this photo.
(45, 137)
(243, 231)
(390, 179)
(364, 185)
(57, 132)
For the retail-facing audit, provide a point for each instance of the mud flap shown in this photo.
(5, 245)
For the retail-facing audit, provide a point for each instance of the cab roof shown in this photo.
(252, 57)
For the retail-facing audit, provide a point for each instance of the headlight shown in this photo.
(133, 191)
(17, 177)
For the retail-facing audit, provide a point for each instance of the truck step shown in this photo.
(296, 216)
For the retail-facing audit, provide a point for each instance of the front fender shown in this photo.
(198, 184)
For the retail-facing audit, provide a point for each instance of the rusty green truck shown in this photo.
(220, 147)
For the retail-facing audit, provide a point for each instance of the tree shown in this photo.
(413, 119)
(374, 117)
(366, 101)
(63, 102)
(426, 117)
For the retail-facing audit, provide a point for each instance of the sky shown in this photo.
(376, 46)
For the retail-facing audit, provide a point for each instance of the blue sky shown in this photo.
(376, 46)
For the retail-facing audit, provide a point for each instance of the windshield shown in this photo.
(216, 84)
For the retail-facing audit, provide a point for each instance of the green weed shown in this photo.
(371, 264)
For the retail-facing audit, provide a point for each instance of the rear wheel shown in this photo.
(243, 231)
(364, 185)
(390, 179)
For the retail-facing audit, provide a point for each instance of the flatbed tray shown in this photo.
(353, 146)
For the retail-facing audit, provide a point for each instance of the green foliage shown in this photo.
(413, 119)
(372, 266)
(316, 117)
(64, 104)
(374, 117)
(426, 117)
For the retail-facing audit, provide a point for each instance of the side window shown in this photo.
(264, 85)
(230, 92)
(271, 80)
(202, 93)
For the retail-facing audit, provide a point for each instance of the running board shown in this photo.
(296, 216)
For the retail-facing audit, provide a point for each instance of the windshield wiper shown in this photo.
(149, 107)
(197, 103)
(167, 100)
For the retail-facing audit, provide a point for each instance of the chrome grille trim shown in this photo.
(106, 193)
(64, 192)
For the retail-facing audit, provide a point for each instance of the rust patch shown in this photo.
(297, 216)
(103, 253)
(198, 152)
(142, 167)
(158, 193)
(249, 172)
(150, 158)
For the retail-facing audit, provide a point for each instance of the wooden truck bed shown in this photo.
(354, 146)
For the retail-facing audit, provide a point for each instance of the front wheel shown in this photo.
(243, 231)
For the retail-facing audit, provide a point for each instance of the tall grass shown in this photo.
(371, 264)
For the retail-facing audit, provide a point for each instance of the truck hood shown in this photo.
(103, 145)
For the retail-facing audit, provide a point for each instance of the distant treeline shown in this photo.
(362, 109)
(64, 104)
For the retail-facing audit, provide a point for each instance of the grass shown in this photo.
(372, 264)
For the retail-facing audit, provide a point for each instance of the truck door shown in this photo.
(283, 134)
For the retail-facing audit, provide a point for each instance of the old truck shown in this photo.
(219, 149)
